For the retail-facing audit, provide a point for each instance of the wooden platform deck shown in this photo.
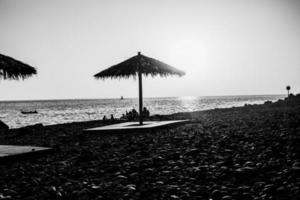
(133, 126)
(12, 152)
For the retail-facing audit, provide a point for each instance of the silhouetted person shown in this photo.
(134, 114)
(129, 116)
(123, 116)
(104, 118)
(146, 112)
(112, 117)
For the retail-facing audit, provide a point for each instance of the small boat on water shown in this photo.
(29, 112)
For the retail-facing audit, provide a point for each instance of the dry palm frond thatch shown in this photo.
(14, 69)
(144, 64)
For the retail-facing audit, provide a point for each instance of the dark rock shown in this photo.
(27, 130)
(282, 191)
(227, 197)
(3, 126)
(268, 102)
(24, 131)
(296, 167)
(246, 196)
(106, 145)
(173, 156)
(35, 126)
(216, 195)
(192, 152)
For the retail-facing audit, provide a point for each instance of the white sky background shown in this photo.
(226, 47)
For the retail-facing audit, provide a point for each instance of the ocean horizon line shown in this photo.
(149, 97)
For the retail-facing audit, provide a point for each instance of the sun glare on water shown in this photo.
(188, 98)
(188, 102)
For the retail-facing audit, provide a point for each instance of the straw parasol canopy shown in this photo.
(136, 66)
(14, 69)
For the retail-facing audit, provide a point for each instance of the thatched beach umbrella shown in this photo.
(14, 69)
(136, 66)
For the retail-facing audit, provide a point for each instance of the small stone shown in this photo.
(3, 126)
(121, 177)
(216, 195)
(96, 187)
(131, 187)
(174, 196)
(192, 152)
(296, 166)
(227, 197)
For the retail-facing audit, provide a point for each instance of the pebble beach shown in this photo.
(241, 153)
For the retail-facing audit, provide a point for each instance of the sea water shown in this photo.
(65, 111)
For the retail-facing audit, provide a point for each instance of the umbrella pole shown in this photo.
(140, 97)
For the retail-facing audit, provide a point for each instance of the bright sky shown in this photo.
(226, 47)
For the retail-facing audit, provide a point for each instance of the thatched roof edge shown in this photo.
(11, 68)
(148, 66)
